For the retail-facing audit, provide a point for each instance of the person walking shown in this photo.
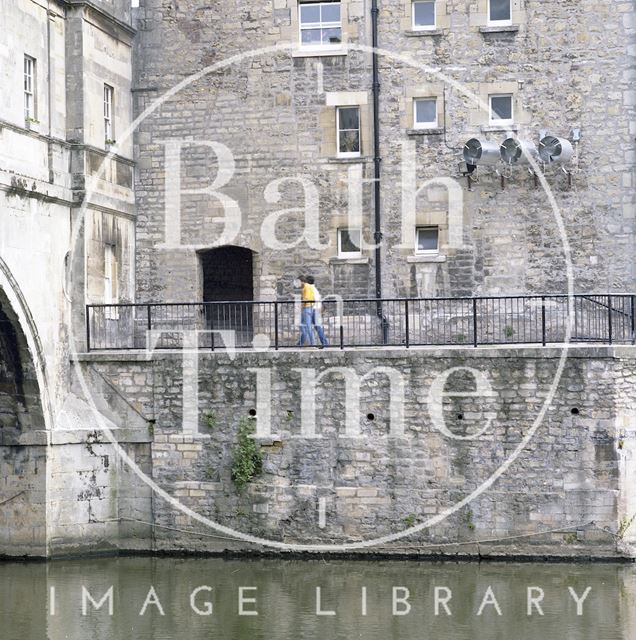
(307, 296)
(316, 313)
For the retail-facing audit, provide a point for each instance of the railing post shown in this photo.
(543, 329)
(475, 341)
(88, 329)
(211, 307)
(609, 318)
(406, 309)
(341, 335)
(148, 321)
(276, 325)
(633, 319)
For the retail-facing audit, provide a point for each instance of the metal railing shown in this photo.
(533, 319)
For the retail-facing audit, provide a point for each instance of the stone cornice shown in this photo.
(129, 29)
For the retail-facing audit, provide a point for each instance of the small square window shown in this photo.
(349, 243)
(427, 240)
(320, 24)
(499, 12)
(348, 131)
(423, 15)
(425, 113)
(501, 109)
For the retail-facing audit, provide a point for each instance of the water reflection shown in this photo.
(317, 599)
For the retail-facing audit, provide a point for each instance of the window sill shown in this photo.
(348, 160)
(433, 131)
(425, 258)
(317, 53)
(418, 33)
(507, 28)
(337, 260)
(497, 128)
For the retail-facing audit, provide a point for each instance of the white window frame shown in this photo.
(348, 154)
(319, 25)
(29, 88)
(425, 125)
(426, 252)
(419, 27)
(498, 23)
(491, 111)
(349, 254)
(109, 98)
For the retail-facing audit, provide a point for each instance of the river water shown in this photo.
(371, 600)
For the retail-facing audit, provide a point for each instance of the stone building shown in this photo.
(260, 130)
(66, 238)
(487, 70)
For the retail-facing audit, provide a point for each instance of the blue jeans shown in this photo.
(321, 332)
(308, 322)
(306, 326)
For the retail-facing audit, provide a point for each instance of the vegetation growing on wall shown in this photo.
(247, 460)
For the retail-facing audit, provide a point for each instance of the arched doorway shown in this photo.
(227, 278)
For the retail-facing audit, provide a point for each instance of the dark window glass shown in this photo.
(427, 238)
(500, 10)
(501, 107)
(425, 111)
(349, 130)
(349, 118)
(331, 36)
(309, 13)
(311, 36)
(424, 14)
(350, 241)
(331, 12)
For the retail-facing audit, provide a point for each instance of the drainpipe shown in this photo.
(377, 160)
(376, 150)
(49, 82)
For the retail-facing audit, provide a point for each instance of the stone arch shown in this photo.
(20, 398)
(23, 411)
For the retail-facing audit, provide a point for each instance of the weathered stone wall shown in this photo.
(566, 494)
(56, 491)
(568, 65)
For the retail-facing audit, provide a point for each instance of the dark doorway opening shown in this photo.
(228, 281)
(228, 274)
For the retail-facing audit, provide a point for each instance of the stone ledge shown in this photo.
(355, 160)
(318, 53)
(486, 351)
(511, 28)
(336, 260)
(425, 258)
(433, 131)
(499, 128)
(80, 436)
(419, 33)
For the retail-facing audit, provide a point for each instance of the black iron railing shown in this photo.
(535, 319)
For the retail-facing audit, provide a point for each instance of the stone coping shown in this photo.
(583, 351)
(95, 436)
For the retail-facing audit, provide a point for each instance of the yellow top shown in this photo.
(308, 295)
